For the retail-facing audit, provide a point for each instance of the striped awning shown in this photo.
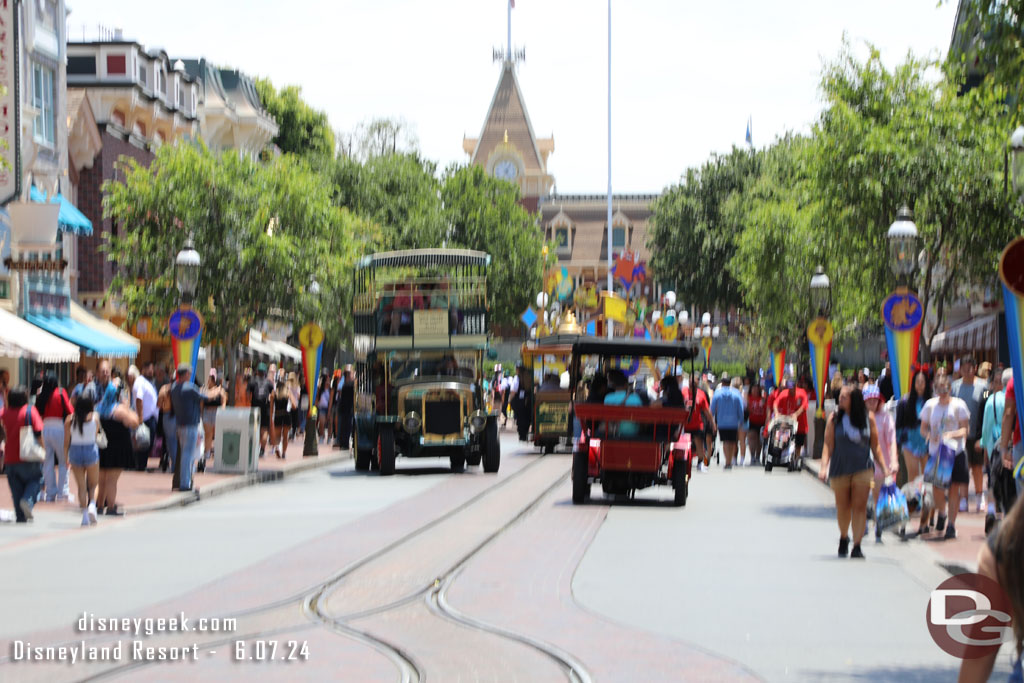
(425, 258)
(21, 339)
(977, 334)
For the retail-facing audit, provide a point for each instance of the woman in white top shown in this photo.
(944, 420)
(81, 452)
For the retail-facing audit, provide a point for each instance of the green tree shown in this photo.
(302, 129)
(398, 192)
(887, 138)
(692, 238)
(263, 232)
(484, 213)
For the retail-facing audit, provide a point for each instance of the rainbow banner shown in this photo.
(778, 366)
(902, 313)
(186, 327)
(819, 339)
(1011, 272)
(311, 340)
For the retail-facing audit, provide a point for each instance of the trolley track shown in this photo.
(313, 601)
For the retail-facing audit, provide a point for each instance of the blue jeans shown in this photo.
(170, 438)
(188, 438)
(25, 480)
(53, 441)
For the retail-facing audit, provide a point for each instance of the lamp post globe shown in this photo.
(1017, 152)
(821, 293)
(705, 319)
(707, 330)
(903, 244)
(715, 331)
(186, 271)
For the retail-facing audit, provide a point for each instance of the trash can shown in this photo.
(237, 444)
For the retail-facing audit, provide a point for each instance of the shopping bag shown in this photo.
(938, 471)
(30, 449)
(891, 509)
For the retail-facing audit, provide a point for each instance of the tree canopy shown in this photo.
(302, 129)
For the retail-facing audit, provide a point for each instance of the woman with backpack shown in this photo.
(81, 429)
(54, 405)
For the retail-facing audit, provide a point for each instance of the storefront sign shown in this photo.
(10, 111)
(552, 418)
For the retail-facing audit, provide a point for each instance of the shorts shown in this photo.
(264, 417)
(864, 477)
(728, 435)
(800, 439)
(210, 416)
(83, 455)
(283, 420)
(696, 435)
(974, 457)
(961, 475)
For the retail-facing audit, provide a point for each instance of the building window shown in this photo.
(562, 238)
(116, 65)
(5, 289)
(181, 98)
(161, 81)
(81, 66)
(618, 238)
(142, 74)
(42, 100)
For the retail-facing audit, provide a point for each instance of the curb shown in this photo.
(813, 467)
(182, 498)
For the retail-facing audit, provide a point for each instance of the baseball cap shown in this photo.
(871, 391)
(262, 367)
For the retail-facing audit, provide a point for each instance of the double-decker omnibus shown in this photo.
(420, 339)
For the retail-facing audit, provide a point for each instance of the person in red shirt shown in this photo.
(1011, 459)
(757, 413)
(56, 406)
(24, 478)
(792, 401)
(700, 409)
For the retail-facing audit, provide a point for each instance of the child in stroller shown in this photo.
(779, 443)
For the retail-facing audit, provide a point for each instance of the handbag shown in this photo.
(30, 451)
(142, 439)
(101, 436)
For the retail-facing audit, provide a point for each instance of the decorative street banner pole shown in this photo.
(1011, 272)
(778, 366)
(706, 343)
(819, 339)
(186, 328)
(311, 340)
(902, 313)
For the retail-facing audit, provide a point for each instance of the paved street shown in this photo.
(477, 577)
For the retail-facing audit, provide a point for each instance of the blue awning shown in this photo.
(91, 340)
(70, 218)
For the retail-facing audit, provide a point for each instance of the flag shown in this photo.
(749, 138)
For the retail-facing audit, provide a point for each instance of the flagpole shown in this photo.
(608, 323)
(510, 30)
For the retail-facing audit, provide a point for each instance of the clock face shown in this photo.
(506, 170)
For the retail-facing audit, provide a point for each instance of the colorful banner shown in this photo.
(311, 341)
(819, 339)
(902, 313)
(1011, 272)
(614, 308)
(186, 327)
(778, 366)
(706, 345)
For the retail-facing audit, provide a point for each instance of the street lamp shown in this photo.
(1017, 150)
(821, 293)
(903, 240)
(186, 271)
(309, 447)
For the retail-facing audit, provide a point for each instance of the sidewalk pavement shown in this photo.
(957, 555)
(151, 490)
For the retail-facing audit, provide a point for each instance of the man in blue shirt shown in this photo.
(621, 396)
(727, 409)
(187, 401)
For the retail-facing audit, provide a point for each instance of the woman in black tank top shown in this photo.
(282, 404)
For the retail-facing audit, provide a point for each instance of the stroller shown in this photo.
(780, 446)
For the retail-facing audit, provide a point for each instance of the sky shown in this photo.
(685, 75)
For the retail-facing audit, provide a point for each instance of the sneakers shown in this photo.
(85, 518)
(981, 504)
(963, 504)
(950, 532)
(703, 467)
(114, 512)
(990, 521)
(856, 552)
(941, 524)
(26, 509)
(844, 546)
(878, 535)
(90, 512)
(728, 467)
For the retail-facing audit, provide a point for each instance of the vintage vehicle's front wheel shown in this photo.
(363, 456)
(492, 447)
(679, 482)
(580, 485)
(386, 450)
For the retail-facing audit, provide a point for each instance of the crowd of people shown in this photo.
(108, 423)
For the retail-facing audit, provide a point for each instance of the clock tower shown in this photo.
(507, 147)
